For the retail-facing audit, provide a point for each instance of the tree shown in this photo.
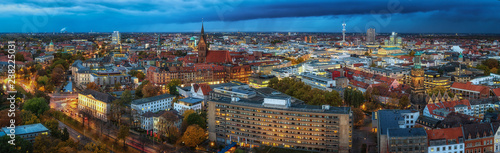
(404, 102)
(193, 136)
(21, 145)
(57, 75)
(126, 97)
(93, 86)
(367, 54)
(28, 117)
(96, 148)
(172, 86)
(65, 134)
(5, 121)
(19, 57)
(412, 53)
(151, 90)
(36, 105)
(359, 115)
(118, 86)
(43, 80)
(123, 133)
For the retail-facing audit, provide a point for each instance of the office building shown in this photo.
(115, 37)
(370, 36)
(95, 103)
(393, 119)
(153, 104)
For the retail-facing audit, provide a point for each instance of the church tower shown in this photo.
(202, 46)
(417, 83)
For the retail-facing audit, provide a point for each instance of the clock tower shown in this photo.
(417, 83)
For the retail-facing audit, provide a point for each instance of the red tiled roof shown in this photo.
(218, 56)
(496, 91)
(205, 88)
(470, 86)
(446, 134)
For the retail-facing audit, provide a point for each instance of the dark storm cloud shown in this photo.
(83, 15)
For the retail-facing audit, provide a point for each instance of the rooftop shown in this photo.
(407, 132)
(191, 100)
(104, 97)
(150, 99)
(27, 129)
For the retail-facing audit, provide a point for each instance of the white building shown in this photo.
(496, 144)
(153, 104)
(188, 103)
(446, 140)
(410, 118)
(317, 81)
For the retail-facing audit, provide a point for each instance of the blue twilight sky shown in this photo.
(403, 16)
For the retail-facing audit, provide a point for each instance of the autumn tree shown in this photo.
(28, 117)
(404, 102)
(359, 116)
(93, 86)
(151, 90)
(5, 121)
(193, 136)
(57, 75)
(96, 148)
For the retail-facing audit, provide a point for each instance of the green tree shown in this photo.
(118, 86)
(21, 145)
(28, 117)
(96, 148)
(36, 105)
(19, 57)
(65, 134)
(172, 86)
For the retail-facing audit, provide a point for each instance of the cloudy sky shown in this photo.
(403, 16)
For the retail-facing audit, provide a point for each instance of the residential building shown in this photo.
(370, 36)
(275, 121)
(442, 109)
(46, 59)
(496, 131)
(95, 103)
(188, 103)
(478, 137)
(152, 104)
(446, 140)
(411, 140)
(109, 78)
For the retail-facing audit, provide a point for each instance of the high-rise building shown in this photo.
(370, 36)
(115, 37)
(417, 83)
(275, 121)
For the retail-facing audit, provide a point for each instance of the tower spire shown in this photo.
(202, 30)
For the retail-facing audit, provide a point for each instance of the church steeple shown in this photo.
(202, 46)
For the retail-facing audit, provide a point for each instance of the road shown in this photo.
(73, 134)
(132, 139)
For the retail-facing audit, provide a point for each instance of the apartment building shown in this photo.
(275, 121)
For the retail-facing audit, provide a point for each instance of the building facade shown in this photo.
(95, 103)
(273, 121)
(407, 140)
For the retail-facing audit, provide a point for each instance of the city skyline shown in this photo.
(251, 16)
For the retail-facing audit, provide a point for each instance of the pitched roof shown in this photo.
(150, 99)
(496, 91)
(205, 88)
(469, 86)
(218, 56)
(447, 133)
(478, 130)
(104, 97)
